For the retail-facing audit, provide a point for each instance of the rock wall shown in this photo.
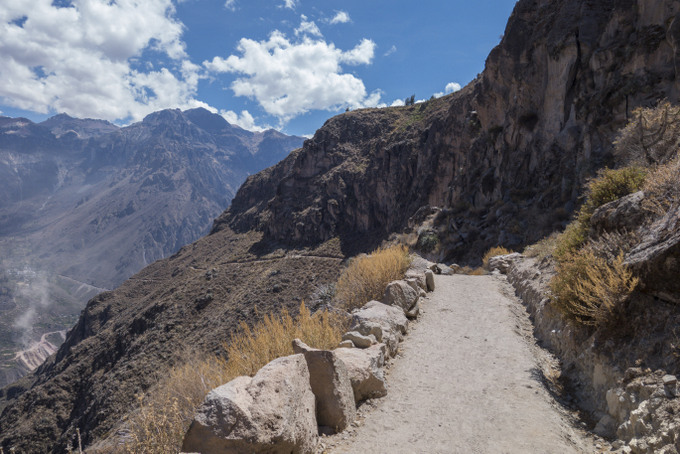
(506, 157)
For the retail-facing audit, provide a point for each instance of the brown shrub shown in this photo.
(493, 252)
(166, 412)
(367, 276)
(587, 288)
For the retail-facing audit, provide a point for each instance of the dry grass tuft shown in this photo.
(588, 288)
(166, 412)
(367, 276)
(493, 252)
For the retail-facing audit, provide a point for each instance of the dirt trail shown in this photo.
(469, 381)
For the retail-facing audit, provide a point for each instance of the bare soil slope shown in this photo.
(470, 380)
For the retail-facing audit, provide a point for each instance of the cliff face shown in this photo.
(506, 157)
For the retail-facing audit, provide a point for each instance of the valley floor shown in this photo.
(470, 379)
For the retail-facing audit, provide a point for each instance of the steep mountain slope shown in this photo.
(85, 204)
(506, 157)
(503, 160)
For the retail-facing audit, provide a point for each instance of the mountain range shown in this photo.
(502, 162)
(85, 204)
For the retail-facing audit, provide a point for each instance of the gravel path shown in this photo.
(469, 380)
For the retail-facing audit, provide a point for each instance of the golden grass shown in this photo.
(367, 276)
(609, 185)
(493, 252)
(587, 288)
(166, 412)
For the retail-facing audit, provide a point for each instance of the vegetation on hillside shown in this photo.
(367, 276)
(166, 412)
(592, 280)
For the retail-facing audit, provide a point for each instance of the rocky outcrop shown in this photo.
(656, 259)
(273, 412)
(503, 160)
(625, 213)
(502, 263)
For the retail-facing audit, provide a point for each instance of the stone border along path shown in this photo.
(469, 379)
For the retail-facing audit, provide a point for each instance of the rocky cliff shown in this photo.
(505, 158)
(503, 161)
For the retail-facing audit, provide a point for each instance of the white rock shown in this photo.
(359, 340)
(400, 294)
(273, 412)
(365, 370)
(330, 382)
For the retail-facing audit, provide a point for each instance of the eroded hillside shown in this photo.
(503, 161)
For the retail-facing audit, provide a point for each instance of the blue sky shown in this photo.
(287, 64)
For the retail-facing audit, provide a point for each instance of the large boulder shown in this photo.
(625, 213)
(503, 262)
(401, 294)
(389, 319)
(273, 412)
(331, 385)
(656, 259)
(365, 367)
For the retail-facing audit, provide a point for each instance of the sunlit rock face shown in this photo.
(505, 158)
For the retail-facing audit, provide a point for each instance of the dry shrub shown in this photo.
(272, 338)
(493, 252)
(662, 187)
(367, 276)
(543, 248)
(651, 137)
(609, 185)
(587, 288)
(166, 412)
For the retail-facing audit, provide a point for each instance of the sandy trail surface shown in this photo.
(469, 380)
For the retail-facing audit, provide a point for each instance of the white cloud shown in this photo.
(341, 17)
(452, 87)
(244, 120)
(84, 59)
(230, 5)
(290, 4)
(398, 102)
(307, 28)
(290, 78)
(390, 51)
